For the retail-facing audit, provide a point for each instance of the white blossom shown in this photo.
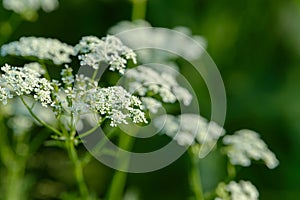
(81, 95)
(110, 50)
(243, 190)
(143, 80)
(116, 104)
(188, 129)
(40, 48)
(5, 95)
(17, 81)
(151, 104)
(180, 40)
(25, 6)
(36, 67)
(245, 145)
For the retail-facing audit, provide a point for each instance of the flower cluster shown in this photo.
(244, 190)
(178, 40)
(117, 104)
(151, 104)
(245, 145)
(145, 81)
(40, 48)
(17, 81)
(110, 50)
(25, 6)
(187, 129)
(80, 94)
(36, 67)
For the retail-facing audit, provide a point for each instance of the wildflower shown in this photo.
(151, 104)
(110, 50)
(178, 40)
(80, 94)
(245, 145)
(27, 7)
(40, 48)
(36, 67)
(143, 80)
(116, 104)
(188, 129)
(243, 190)
(17, 81)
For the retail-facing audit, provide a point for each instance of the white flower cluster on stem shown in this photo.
(110, 50)
(143, 80)
(246, 145)
(188, 129)
(242, 190)
(117, 104)
(40, 48)
(81, 94)
(17, 81)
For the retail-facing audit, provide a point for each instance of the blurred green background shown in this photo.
(256, 46)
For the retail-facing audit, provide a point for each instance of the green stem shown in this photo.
(97, 147)
(95, 74)
(119, 179)
(139, 8)
(14, 163)
(15, 181)
(231, 171)
(194, 176)
(46, 74)
(78, 169)
(38, 119)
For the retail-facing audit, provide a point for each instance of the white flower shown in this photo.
(244, 190)
(245, 145)
(188, 129)
(40, 48)
(24, 6)
(146, 36)
(116, 104)
(24, 81)
(110, 50)
(81, 95)
(142, 80)
(151, 104)
(5, 95)
(36, 67)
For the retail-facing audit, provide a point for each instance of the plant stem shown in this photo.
(38, 119)
(15, 181)
(78, 169)
(231, 171)
(138, 9)
(194, 176)
(46, 75)
(15, 165)
(119, 179)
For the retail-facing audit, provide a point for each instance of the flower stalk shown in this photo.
(194, 176)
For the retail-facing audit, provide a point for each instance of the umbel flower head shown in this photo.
(246, 145)
(144, 80)
(161, 39)
(243, 190)
(28, 8)
(79, 94)
(17, 81)
(188, 129)
(40, 48)
(110, 50)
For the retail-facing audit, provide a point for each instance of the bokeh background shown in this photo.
(256, 46)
